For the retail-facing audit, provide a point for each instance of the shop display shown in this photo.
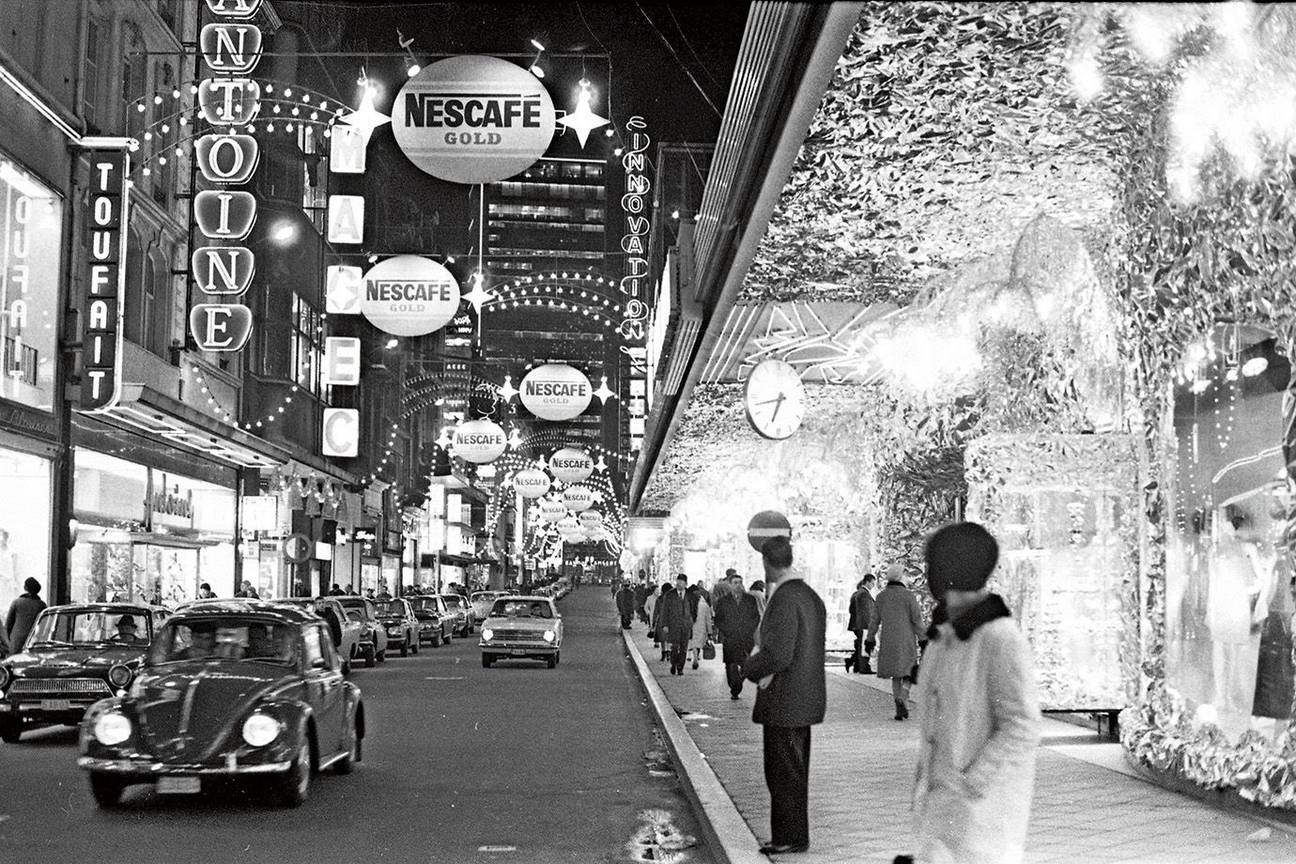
(24, 522)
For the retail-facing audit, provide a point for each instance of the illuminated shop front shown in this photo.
(146, 534)
(24, 520)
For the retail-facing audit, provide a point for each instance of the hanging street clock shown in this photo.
(775, 399)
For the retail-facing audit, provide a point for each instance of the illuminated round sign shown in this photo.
(571, 465)
(556, 391)
(531, 483)
(409, 296)
(590, 519)
(479, 441)
(552, 511)
(473, 119)
(578, 498)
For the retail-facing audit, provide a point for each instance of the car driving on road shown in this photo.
(522, 628)
(436, 623)
(238, 689)
(74, 656)
(462, 611)
(344, 631)
(399, 623)
(373, 635)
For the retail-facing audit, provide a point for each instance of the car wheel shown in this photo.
(382, 656)
(415, 647)
(437, 639)
(487, 661)
(347, 763)
(557, 657)
(370, 657)
(405, 647)
(106, 789)
(346, 666)
(294, 785)
(552, 660)
(10, 730)
(448, 636)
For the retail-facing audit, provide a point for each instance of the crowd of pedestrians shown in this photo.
(970, 663)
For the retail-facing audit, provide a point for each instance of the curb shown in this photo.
(730, 839)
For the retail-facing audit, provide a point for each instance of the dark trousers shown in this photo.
(733, 674)
(625, 621)
(678, 653)
(787, 774)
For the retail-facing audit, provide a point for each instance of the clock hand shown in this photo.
(778, 404)
(768, 401)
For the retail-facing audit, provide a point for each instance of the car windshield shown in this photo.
(91, 627)
(355, 615)
(521, 609)
(452, 601)
(391, 607)
(223, 639)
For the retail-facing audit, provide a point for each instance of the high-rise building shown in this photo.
(552, 217)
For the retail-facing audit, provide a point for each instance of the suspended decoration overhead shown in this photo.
(531, 483)
(473, 119)
(409, 296)
(571, 465)
(479, 441)
(578, 498)
(556, 391)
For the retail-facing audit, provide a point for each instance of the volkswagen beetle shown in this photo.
(229, 689)
(75, 656)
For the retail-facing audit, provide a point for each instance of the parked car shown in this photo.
(373, 635)
(235, 689)
(344, 632)
(75, 655)
(522, 628)
(436, 623)
(461, 609)
(400, 624)
(482, 601)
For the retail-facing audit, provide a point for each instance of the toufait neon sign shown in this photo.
(101, 353)
(231, 47)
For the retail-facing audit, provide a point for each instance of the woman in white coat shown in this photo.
(980, 713)
(703, 625)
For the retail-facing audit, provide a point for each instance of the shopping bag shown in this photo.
(708, 650)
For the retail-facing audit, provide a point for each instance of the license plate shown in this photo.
(179, 785)
(518, 652)
(56, 705)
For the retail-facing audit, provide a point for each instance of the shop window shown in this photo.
(1229, 573)
(30, 232)
(24, 523)
(307, 348)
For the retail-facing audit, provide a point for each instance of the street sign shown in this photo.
(767, 524)
(298, 548)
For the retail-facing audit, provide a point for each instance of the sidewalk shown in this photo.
(1088, 804)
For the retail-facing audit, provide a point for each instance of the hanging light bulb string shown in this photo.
(213, 403)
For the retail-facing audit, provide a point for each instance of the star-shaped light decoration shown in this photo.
(583, 121)
(515, 439)
(508, 391)
(366, 118)
(600, 465)
(479, 296)
(603, 393)
(444, 439)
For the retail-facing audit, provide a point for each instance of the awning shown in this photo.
(143, 409)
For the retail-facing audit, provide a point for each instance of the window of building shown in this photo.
(134, 82)
(90, 75)
(166, 130)
(169, 12)
(307, 345)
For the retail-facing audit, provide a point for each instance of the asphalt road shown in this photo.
(517, 763)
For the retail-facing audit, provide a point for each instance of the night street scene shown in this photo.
(623, 432)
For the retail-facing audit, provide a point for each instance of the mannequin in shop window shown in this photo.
(1240, 577)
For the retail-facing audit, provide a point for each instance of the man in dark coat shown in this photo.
(677, 622)
(736, 618)
(789, 667)
(22, 614)
(625, 599)
(861, 613)
(642, 591)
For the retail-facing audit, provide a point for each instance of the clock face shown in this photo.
(775, 399)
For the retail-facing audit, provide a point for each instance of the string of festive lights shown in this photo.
(213, 403)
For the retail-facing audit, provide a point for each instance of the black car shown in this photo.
(74, 656)
(436, 623)
(237, 689)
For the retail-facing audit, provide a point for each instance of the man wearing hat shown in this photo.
(127, 630)
(981, 718)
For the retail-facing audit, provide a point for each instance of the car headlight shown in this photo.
(5, 676)
(112, 728)
(260, 729)
(549, 635)
(119, 676)
(487, 634)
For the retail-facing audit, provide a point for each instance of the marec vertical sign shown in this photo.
(223, 270)
(105, 287)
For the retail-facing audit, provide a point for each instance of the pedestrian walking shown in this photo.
(642, 592)
(861, 613)
(737, 616)
(757, 591)
(895, 627)
(792, 694)
(703, 625)
(655, 607)
(22, 613)
(676, 622)
(981, 717)
(625, 599)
